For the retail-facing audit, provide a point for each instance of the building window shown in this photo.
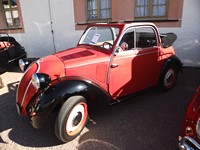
(98, 9)
(9, 14)
(151, 8)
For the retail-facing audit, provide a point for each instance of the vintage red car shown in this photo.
(110, 63)
(190, 139)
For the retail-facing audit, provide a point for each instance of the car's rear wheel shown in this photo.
(169, 77)
(71, 119)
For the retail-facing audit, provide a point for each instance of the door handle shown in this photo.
(114, 65)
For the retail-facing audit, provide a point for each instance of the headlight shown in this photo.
(189, 131)
(24, 63)
(40, 80)
(198, 128)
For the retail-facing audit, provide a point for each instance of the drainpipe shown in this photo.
(51, 22)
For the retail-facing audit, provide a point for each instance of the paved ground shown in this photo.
(151, 121)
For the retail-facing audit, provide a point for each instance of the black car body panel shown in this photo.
(44, 102)
(10, 50)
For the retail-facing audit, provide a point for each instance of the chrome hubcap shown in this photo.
(169, 77)
(75, 119)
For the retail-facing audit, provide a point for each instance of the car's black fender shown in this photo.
(169, 73)
(58, 93)
(173, 60)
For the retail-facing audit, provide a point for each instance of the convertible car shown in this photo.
(10, 50)
(190, 138)
(110, 63)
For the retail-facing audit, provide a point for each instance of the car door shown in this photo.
(3, 56)
(135, 68)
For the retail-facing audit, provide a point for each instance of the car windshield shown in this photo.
(100, 36)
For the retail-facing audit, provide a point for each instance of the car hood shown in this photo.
(80, 55)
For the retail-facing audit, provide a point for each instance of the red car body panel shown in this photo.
(122, 84)
(92, 63)
(190, 137)
(26, 91)
(192, 115)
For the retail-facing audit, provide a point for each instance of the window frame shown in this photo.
(135, 28)
(150, 11)
(99, 11)
(4, 26)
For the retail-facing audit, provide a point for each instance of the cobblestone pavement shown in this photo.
(150, 121)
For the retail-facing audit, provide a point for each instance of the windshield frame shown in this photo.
(115, 31)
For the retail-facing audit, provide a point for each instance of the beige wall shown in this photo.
(124, 10)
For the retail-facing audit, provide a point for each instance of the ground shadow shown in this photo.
(19, 128)
(148, 121)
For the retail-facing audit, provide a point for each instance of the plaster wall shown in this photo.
(187, 45)
(49, 26)
(40, 18)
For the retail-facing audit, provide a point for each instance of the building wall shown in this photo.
(187, 45)
(125, 11)
(37, 38)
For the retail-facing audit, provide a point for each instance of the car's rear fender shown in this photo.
(58, 93)
(175, 61)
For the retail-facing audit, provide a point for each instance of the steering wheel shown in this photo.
(107, 45)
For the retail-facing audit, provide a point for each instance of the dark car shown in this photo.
(10, 50)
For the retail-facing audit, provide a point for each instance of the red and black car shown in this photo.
(110, 63)
(190, 138)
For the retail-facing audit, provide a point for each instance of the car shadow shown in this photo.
(151, 120)
(13, 67)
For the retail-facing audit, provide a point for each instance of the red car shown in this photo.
(190, 139)
(109, 63)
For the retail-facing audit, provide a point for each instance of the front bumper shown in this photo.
(188, 143)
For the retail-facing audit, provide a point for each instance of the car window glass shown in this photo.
(98, 35)
(145, 37)
(128, 38)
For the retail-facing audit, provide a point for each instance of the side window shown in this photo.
(145, 37)
(98, 9)
(151, 8)
(9, 13)
(128, 38)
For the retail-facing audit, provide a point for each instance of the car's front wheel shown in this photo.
(71, 119)
(169, 77)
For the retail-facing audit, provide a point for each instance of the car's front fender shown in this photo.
(59, 93)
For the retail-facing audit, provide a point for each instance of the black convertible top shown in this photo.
(168, 39)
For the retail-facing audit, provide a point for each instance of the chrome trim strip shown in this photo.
(112, 56)
(38, 64)
(109, 67)
(134, 54)
(95, 62)
(16, 58)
